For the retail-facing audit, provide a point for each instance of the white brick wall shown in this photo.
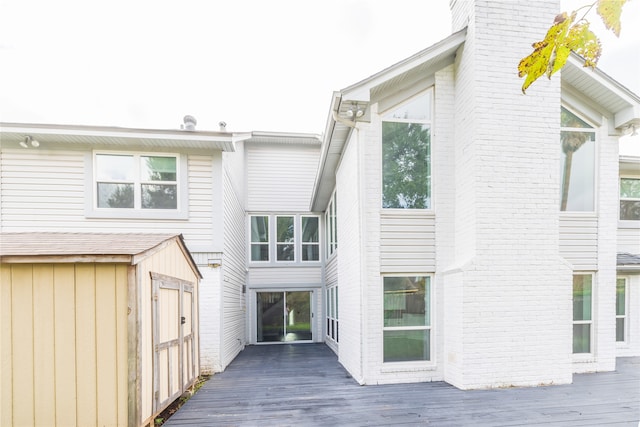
(350, 280)
(209, 319)
(516, 294)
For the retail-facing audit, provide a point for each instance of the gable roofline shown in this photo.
(295, 138)
(47, 247)
(603, 90)
(118, 136)
(338, 128)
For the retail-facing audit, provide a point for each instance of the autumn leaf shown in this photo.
(610, 11)
(585, 43)
(550, 54)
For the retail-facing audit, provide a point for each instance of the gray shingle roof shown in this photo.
(625, 258)
(53, 244)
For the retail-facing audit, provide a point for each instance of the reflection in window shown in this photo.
(582, 309)
(259, 238)
(135, 181)
(630, 199)
(578, 163)
(407, 318)
(285, 243)
(310, 238)
(406, 155)
(621, 309)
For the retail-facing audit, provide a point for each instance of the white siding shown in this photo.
(44, 190)
(269, 277)
(407, 241)
(579, 240)
(632, 346)
(234, 277)
(280, 177)
(629, 239)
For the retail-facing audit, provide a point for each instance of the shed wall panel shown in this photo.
(43, 341)
(6, 364)
(280, 178)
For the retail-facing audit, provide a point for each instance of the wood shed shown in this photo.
(97, 329)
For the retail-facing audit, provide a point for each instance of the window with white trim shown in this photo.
(406, 154)
(332, 313)
(330, 219)
(259, 238)
(310, 238)
(578, 163)
(630, 199)
(582, 312)
(407, 318)
(280, 239)
(286, 238)
(621, 309)
(136, 181)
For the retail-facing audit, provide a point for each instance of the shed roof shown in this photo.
(128, 248)
(625, 258)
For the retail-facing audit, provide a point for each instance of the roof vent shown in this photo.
(189, 123)
(223, 126)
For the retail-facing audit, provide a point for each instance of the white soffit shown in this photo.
(13, 133)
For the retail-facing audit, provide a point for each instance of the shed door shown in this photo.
(174, 364)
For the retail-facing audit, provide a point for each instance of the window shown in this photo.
(297, 238)
(259, 238)
(630, 199)
(621, 309)
(285, 244)
(407, 318)
(332, 313)
(133, 181)
(331, 222)
(406, 155)
(578, 163)
(582, 312)
(310, 238)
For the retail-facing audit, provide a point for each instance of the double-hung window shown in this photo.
(332, 313)
(578, 165)
(286, 237)
(407, 318)
(134, 181)
(582, 312)
(260, 238)
(621, 309)
(630, 199)
(406, 155)
(310, 238)
(331, 225)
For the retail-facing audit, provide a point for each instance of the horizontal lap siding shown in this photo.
(233, 299)
(629, 240)
(285, 276)
(44, 190)
(579, 241)
(280, 177)
(407, 242)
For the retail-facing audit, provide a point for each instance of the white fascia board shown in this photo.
(361, 90)
(628, 116)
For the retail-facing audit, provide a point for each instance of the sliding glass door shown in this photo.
(283, 316)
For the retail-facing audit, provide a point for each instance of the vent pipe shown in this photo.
(189, 123)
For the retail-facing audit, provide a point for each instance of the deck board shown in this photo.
(304, 385)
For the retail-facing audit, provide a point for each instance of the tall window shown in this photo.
(578, 144)
(133, 181)
(331, 221)
(332, 313)
(406, 155)
(285, 243)
(259, 238)
(582, 312)
(407, 318)
(630, 199)
(621, 309)
(310, 238)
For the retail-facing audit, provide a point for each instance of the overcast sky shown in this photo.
(258, 65)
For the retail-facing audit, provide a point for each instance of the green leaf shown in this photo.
(585, 43)
(610, 11)
(548, 55)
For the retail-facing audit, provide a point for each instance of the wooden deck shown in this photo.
(304, 385)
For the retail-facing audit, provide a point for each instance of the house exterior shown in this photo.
(444, 227)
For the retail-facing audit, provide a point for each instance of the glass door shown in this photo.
(283, 316)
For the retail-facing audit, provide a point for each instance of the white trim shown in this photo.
(625, 316)
(589, 356)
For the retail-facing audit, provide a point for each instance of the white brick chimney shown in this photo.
(508, 294)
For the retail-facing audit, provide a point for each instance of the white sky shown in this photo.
(258, 65)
